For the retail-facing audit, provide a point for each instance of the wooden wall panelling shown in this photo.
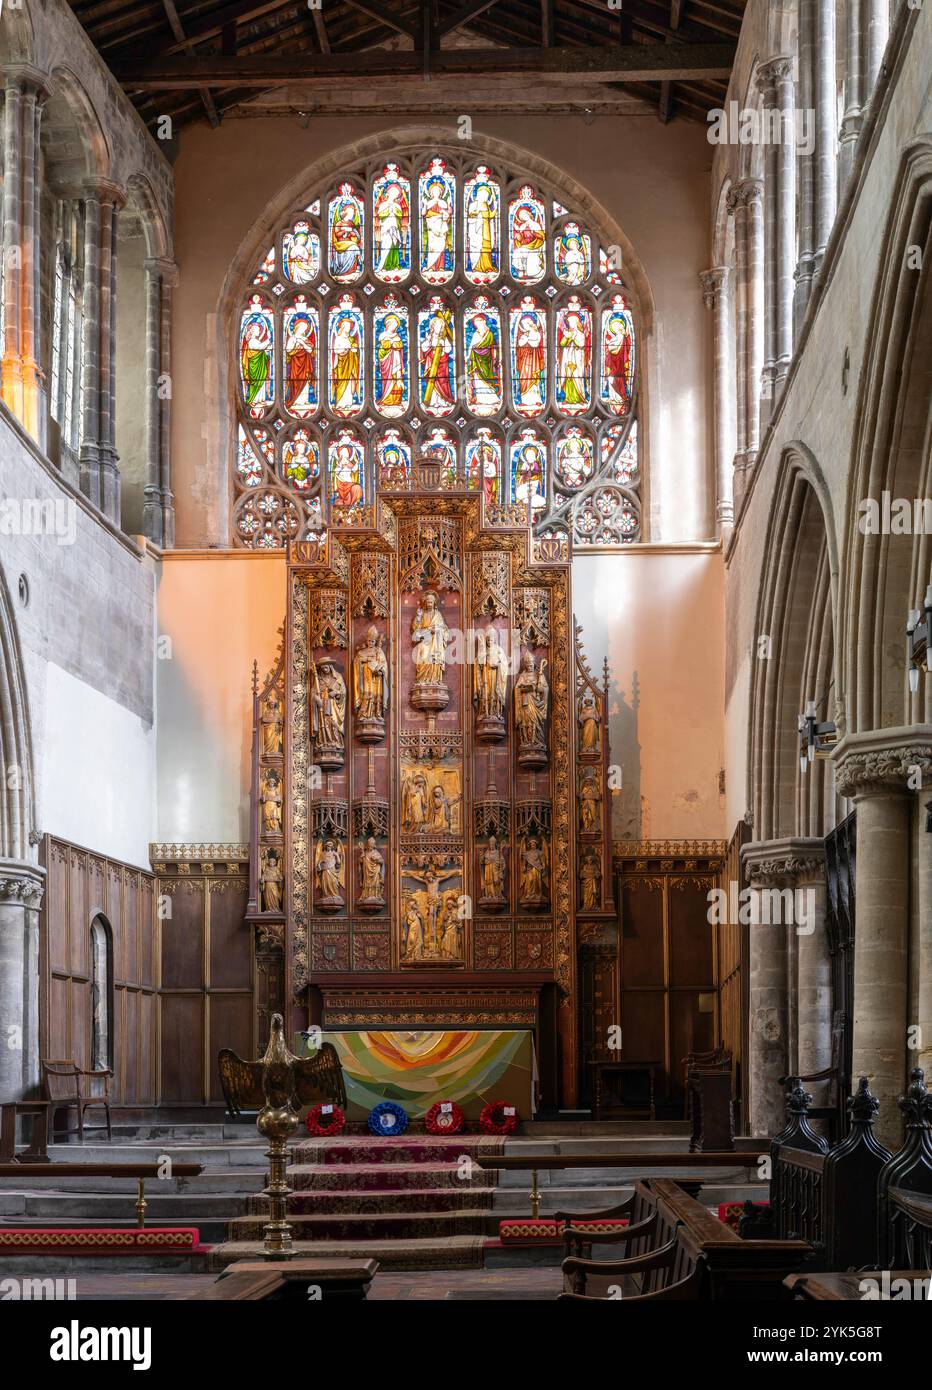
(207, 975)
(80, 886)
(667, 957)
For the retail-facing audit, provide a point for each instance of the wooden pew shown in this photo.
(858, 1206)
(692, 1255)
(290, 1280)
(904, 1185)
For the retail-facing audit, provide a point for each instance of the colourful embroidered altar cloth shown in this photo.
(418, 1068)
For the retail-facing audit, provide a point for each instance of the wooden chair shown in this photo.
(66, 1085)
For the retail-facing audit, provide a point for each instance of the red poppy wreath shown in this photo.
(444, 1118)
(498, 1118)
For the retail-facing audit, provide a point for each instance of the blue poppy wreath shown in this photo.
(387, 1119)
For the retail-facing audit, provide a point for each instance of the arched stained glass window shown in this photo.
(437, 306)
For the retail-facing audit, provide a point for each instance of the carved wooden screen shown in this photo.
(434, 305)
(430, 768)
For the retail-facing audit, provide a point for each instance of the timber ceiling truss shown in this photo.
(197, 59)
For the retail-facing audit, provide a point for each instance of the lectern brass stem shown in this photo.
(277, 1122)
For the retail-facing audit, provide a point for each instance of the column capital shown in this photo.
(713, 281)
(165, 270)
(25, 77)
(774, 70)
(103, 191)
(745, 192)
(783, 863)
(881, 760)
(21, 884)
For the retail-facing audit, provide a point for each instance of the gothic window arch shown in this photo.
(440, 305)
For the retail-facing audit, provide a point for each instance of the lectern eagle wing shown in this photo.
(318, 1078)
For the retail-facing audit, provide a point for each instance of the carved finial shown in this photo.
(605, 675)
(798, 1101)
(916, 1104)
(863, 1106)
(255, 678)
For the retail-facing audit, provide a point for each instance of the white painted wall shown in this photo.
(96, 771)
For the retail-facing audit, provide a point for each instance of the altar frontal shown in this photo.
(416, 1069)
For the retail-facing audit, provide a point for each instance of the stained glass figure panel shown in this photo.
(391, 226)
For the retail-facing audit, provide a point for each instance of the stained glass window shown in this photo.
(436, 306)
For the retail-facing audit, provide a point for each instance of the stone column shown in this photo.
(169, 283)
(784, 251)
(814, 965)
(745, 200)
(872, 770)
(877, 23)
(804, 171)
(924, 913)
(22, 381)
(89, 453)
(763, 866)
(715, 293)
(99, 462)
(766, 87)
(755, 324)
(158, 511)
(20, 899)
(826, 121)
(851, 122)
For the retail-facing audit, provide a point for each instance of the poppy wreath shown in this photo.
(387, 1119)
(439, 1120)
(493, 1119)
(325, 1126)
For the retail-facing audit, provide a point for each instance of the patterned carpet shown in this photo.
(416, 1202)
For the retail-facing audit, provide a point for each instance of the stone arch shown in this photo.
(142, 203)
(886, 575)
(404, 140)
(796, 616)
(751, 154)
(75, 143)
(17, 803)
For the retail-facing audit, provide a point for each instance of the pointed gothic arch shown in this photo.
(885, 574)
(17, 804)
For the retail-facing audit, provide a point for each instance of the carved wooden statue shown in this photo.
(492, 863)
(590, 724)
(370, 687)
(590, 802)
(371, 879)
(328, 704)
(430, 638)
(330, 872)
(490, 686)
(271, 803)
(590, 882)
(532, 700)
(271, 880)
(272, 723)
(535, 872)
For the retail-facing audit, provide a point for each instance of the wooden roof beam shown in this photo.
(633, 63)
(171, 12)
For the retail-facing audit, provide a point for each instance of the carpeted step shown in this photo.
(353, 1203)
(424, 1148)
(366, 1226)
(387, 1177)
(455, 1252)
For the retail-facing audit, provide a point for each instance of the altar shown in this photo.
(471, 1067)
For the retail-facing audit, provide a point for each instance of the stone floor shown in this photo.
(456, 1284)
